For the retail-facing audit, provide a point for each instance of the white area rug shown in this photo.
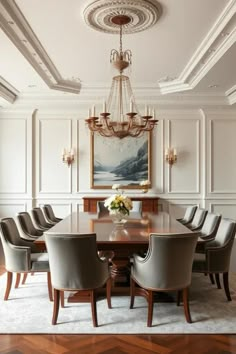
(28, 310)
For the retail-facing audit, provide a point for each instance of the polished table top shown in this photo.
(135, 231)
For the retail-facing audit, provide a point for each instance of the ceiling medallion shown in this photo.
(142, 13)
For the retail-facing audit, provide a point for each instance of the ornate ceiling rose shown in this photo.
(142, 14)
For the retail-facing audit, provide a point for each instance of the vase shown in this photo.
(118, 217)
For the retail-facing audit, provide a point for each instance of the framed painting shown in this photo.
(120, 161)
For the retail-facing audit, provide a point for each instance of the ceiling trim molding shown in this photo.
(219, 39)
(18, 30)
(231, 95)
(7, 91)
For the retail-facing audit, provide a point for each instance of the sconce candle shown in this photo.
(171, 155)
(68, 156)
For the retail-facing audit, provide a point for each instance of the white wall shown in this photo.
(32, 172)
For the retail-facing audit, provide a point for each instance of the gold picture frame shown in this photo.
(120, 161)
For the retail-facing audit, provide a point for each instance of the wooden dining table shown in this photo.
(116, 241)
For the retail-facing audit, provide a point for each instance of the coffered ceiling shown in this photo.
(47, 47)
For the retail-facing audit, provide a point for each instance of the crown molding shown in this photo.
(7, 91)
(16, 27)
(219, 39)
(231, 95)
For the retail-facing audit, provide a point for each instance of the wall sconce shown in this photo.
(171, 156)
(68, 156)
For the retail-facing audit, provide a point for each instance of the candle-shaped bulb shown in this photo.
(93, 111)
(89, 112)
(131, 106)
(153, 114)
(104, 107)
(175, 152)
(146, 110)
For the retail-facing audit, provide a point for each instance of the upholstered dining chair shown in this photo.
(216, 258)
(163, 269)
(75, 266)
(101, 207)
(48, 211)
(198, 220)
(40, 220)
(137, 206)
(208, 231)
(28, 230)
(189, 215)
(21, 256)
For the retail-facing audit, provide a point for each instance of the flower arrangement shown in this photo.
(118, 203)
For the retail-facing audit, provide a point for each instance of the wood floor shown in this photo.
(115, 344)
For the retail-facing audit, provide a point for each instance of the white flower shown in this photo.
(145, 183)
(116, 186)
(118, 202)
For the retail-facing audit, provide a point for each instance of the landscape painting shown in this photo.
(120, 161)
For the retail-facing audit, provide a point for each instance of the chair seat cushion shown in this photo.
(199, 263)
(39, 262)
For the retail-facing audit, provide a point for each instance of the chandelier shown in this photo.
(120, 117)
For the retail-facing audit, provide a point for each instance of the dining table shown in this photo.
(115, 241)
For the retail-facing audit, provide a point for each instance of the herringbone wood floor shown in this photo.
(115, 344)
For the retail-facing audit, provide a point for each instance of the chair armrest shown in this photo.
(17, 258)
(138, 258)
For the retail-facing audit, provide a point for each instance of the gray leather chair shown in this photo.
(101, 207)
(189, 215)
(198, 220)
(137, 207)
(75, 266)
(216, 259)
(40, 220)
(48, 211)
(163, 269)
(28, 229)
(208, 231)
(21, 256)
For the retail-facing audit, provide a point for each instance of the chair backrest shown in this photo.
(27, 225)
(47, 208)
(10, 236)
(189, 213)
(218, 251)
(101, 207)
(137, 207)
(211, 224)
(168, 263)
(199, 218)
(40, 219)
(74, 262)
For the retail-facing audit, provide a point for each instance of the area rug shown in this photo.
(28, 310)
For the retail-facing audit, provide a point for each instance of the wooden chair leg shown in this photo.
(17, 283)
(150, 308)
(212, 279)
(217, 277)
(179, 295)
(108, 292)
(132, 292)
(226, 286)
(8, 287)
(49, 286)
(56, 303)
(62, 299)
(186, 306)
(94, 307)
(24, 278)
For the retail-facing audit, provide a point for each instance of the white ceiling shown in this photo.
(46, 45)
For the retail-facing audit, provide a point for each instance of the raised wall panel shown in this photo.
(54, 135)
(184, 175)
(226, 208)
(9, 209)
(222, 147)
(61, 208)
(13, 156)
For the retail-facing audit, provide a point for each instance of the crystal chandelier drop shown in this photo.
(120, 117)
